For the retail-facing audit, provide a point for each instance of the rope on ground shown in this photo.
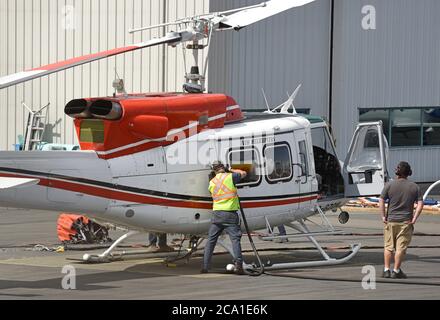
(41, 248)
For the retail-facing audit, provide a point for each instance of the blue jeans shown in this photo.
(282, 230)
(216, 229)
(153, 237)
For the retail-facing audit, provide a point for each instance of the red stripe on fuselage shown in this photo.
(270, 203)
(130, 197)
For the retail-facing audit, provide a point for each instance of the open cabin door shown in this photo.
(365, 168)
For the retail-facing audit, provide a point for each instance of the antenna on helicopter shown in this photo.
(118, 85)
(289, 103)
(286, 105)
(265, 99)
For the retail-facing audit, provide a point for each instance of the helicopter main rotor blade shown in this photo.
(247, 17)
(24, 76)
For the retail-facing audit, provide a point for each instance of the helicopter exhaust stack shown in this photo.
(78, 108)
(106, 110)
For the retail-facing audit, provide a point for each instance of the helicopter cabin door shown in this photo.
(365, 168)
(303, 166)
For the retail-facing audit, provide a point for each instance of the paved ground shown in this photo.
(26, 274)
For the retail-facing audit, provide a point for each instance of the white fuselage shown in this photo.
(165, 189)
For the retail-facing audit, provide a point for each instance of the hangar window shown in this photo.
(431, 126)
(370, 115)
(407, 127)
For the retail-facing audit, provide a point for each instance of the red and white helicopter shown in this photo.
(145, 158)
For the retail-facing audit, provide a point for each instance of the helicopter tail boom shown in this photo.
(9, 183)
(55, 180)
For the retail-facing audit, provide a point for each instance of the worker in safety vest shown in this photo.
(225, 213)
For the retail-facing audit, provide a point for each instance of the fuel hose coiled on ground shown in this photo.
(254, 272)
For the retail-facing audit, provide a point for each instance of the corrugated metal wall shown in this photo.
(396, 65)
(276, 54)
(39, 32)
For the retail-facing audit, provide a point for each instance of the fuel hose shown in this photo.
(258, 271)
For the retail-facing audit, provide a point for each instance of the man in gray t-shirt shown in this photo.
(402, 194)
(400, 219)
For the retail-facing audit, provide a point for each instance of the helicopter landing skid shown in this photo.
(328, 261)
(109, 256)
(305, 232)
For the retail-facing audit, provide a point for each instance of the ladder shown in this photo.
(36, 125)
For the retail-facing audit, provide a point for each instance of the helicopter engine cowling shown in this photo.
(150, 126)
(125, 124)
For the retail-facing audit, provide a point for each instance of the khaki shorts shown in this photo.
(397, 236)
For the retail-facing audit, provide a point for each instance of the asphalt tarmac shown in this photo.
(27, 273)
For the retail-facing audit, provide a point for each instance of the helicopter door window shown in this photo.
(246, 160)
(366, 154)
(303, 157)
(278, 163)
(366, 157)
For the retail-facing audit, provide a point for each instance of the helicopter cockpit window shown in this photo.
(278, 163)
(327, 164)
(246, 160)
(92, 131)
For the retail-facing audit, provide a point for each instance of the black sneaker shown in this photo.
(386, 274)
(239, 269)
(398, 275)
(204, 271)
